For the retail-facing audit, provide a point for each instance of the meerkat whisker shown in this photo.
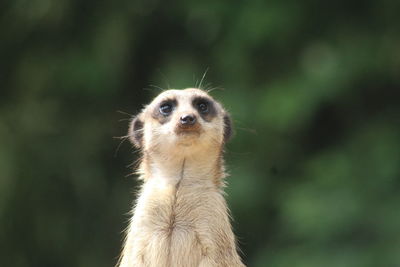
(125, 113)
(157, 87)
(202, 78)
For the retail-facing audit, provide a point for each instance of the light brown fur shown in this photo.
(180, 218)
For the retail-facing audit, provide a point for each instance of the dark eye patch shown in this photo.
(166, 108)
(205, 107)
(163, 110)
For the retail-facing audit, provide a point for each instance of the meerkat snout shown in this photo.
(188, 125)
(188, 120)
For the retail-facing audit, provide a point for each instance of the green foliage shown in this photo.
(313, 88)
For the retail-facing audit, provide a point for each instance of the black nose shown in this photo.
(188, 120)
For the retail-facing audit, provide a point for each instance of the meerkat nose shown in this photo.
(189, 119)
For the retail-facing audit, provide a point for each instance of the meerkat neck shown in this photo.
(192, 169)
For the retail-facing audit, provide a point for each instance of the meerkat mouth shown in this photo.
(185, 130)
(187, 137)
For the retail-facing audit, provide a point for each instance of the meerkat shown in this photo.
(181, 218)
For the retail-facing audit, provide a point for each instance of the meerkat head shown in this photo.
(181, 121)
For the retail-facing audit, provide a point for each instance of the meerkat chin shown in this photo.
(181, 217)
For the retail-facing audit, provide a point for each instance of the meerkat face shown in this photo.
(181, 118)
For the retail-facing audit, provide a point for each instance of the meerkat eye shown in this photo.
(166, 109)
(203, 107)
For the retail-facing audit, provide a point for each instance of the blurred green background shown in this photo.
(313, 88)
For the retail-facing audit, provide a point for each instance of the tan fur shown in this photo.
(181, 218)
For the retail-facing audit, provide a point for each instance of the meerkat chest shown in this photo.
(173, 220)
(170, 209)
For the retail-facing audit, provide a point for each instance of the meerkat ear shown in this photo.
(135, 131)
(227, 127)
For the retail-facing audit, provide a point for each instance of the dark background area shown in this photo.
(313, 88)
